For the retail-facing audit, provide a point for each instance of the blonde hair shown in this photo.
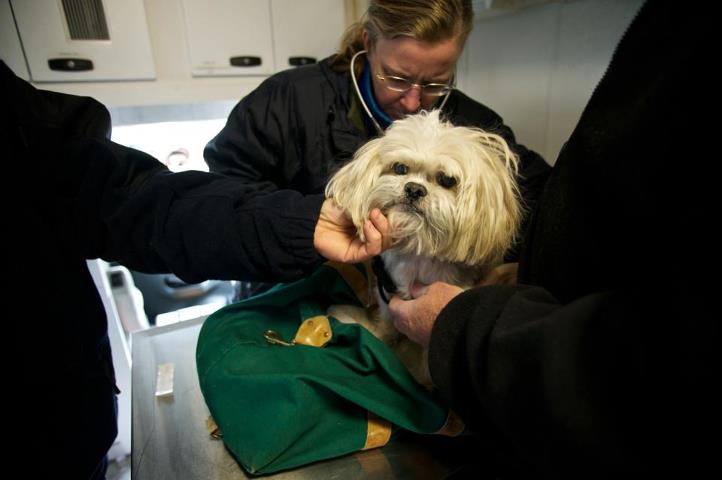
(426, 20)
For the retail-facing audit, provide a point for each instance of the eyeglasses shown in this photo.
(398, 84)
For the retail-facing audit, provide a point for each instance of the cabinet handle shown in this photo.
(299, 61)
(70, 64)
(245, 61)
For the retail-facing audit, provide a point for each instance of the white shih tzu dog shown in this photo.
(452, 202)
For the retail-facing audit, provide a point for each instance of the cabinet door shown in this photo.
(79, 40)
(10, 50)
(305, 31)
(229, 37)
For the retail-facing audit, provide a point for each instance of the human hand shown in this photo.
(415, 318)
(336, 238)
(504, 274)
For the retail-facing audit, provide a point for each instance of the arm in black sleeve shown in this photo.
(129, 208)
(118, 203)
(613, 381)
(613, 375)
(254, 145)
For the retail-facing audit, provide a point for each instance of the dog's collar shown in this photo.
(383, 280)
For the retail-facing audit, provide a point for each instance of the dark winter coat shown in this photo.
(77, 196)
(601, 366)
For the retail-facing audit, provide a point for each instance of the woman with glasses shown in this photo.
(300, 125)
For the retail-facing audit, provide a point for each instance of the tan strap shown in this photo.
(378, 432)
(356, 280)
(212, 428)
(453, 425)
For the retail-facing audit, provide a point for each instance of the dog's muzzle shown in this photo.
(414, 191)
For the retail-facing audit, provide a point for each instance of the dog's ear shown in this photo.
(490, 210)
(350, 187)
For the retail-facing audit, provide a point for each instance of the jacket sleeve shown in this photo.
(130, 208)
(120, 204)
(255, 144)
(588, 386)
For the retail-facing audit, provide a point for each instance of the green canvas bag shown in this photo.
(280, 404)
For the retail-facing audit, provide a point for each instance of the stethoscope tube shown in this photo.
(363, 102)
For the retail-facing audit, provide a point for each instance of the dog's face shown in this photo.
(448, 192)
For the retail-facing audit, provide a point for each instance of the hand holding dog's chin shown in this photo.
(336, 238)
(415, 318)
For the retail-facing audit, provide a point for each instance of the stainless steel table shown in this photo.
(170, 439)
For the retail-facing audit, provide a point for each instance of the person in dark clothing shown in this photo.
(299, 126)
(598, 363)
(81, 196)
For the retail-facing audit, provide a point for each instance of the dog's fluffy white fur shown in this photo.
(452, 202)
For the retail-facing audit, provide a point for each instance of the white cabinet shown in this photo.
(183, 55)
(259, 37)
(84, 40)
(306, 30)
(229, 37)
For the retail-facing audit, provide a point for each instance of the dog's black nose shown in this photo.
(414, 190)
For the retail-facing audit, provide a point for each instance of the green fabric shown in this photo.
(281, 407)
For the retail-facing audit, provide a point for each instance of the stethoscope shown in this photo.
(363, 102)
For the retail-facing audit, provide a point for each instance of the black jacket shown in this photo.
(77, 196)
(294, 131)
(601, 367)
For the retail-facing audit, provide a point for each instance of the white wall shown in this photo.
(538, 66)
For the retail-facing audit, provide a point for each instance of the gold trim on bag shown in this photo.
(315, 332)
(212, 428)
(378, 432)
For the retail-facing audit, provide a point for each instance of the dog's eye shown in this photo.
(400, 169)
(445, 180)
